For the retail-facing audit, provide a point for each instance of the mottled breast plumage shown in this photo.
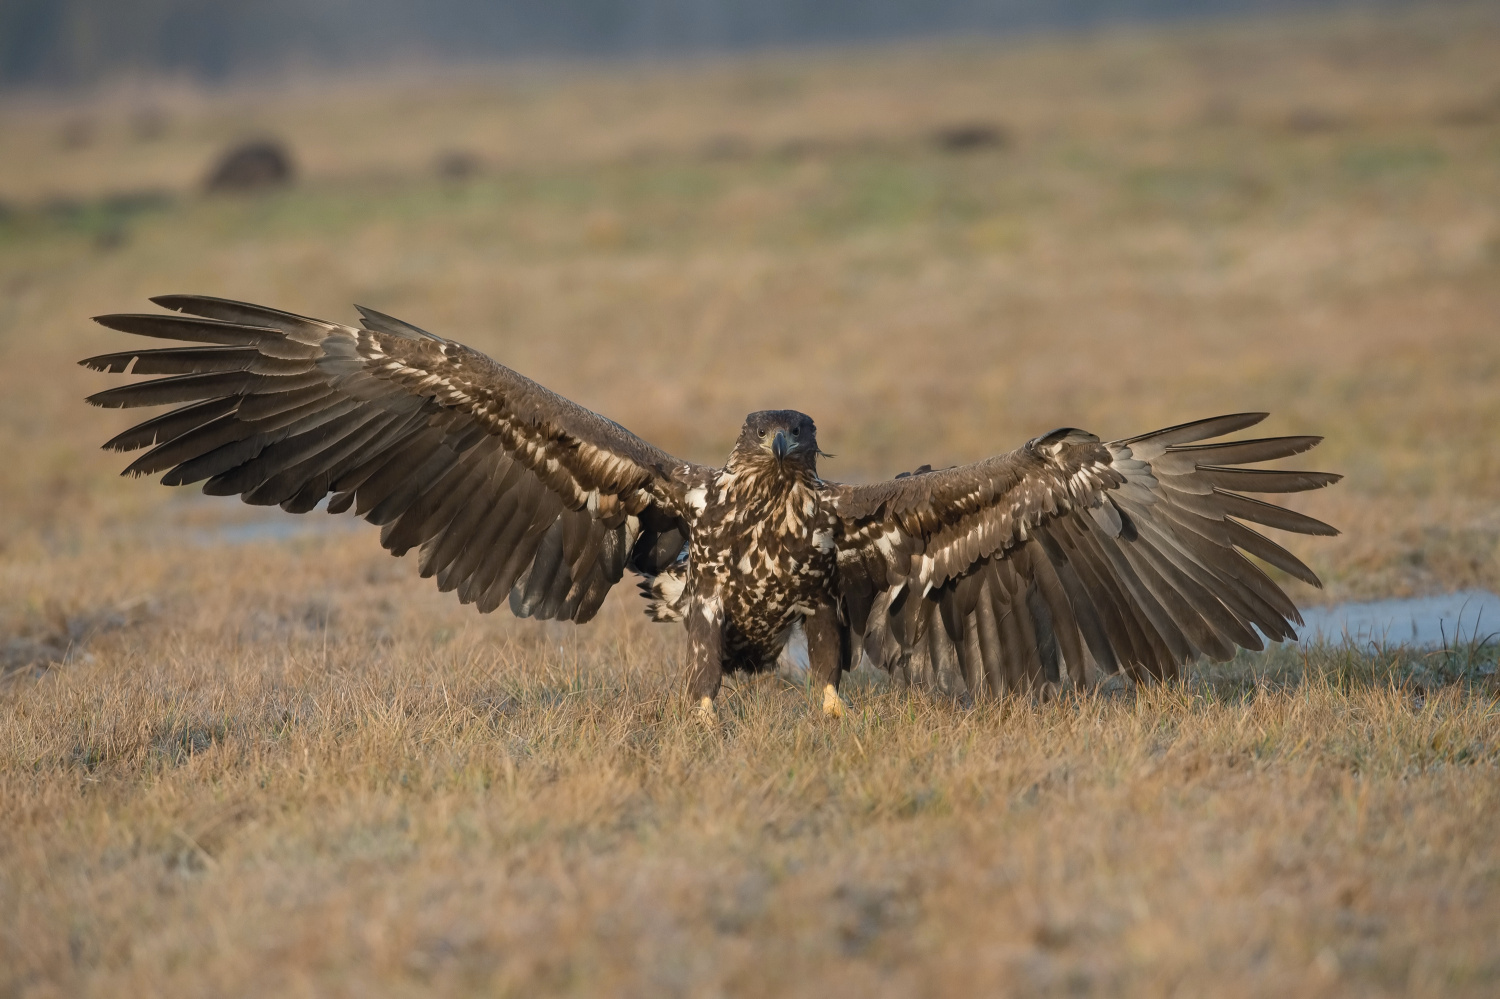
(763, 546)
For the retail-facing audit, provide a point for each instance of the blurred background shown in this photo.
(80, 41)
(939, 227)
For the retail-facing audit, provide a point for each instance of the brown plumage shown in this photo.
(1064, 559)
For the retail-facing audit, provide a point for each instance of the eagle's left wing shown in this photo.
(1128, 549)
(510, 490)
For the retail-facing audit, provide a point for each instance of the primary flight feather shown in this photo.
(1066, 558)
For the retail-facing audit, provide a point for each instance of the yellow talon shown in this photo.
(708, 714)
(833, 704)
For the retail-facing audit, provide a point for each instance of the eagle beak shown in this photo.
(779, 446)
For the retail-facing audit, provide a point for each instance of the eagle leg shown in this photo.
(705, 628)
(830, 651)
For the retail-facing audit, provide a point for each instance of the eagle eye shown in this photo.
(762, 435)
(795, 431)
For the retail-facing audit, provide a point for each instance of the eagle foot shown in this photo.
(833, 704)
(706, 713)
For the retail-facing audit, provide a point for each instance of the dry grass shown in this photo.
(287, 765)
(323, 778)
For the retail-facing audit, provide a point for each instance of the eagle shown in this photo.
(1068, 559)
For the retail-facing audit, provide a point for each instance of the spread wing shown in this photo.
(1128, 552)
(508, 488)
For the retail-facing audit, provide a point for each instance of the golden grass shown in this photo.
(318, 776)
(288, 766)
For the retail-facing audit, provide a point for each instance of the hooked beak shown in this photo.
(779, 446)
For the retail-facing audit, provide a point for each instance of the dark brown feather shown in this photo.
(442, 447)
(1122, 552)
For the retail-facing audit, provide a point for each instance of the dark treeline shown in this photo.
(73, 42)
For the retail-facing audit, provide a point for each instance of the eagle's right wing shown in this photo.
(1127, 552)
(509, 489)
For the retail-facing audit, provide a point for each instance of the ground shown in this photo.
(244, 753)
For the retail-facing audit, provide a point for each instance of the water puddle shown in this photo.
(281, 527)
(208, 522)
(1417, 622)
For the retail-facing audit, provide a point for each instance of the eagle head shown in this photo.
(781, 438)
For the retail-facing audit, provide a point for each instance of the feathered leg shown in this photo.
(705, 626)
(829, 654)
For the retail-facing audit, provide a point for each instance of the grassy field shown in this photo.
(242, 759)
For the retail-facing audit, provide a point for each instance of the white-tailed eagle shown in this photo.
(1069, 557)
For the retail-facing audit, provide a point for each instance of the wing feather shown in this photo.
(1089, 556)
(1267, 550)
(990, 640)
(1011, 671)
(497, 480)
(1066, 628)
